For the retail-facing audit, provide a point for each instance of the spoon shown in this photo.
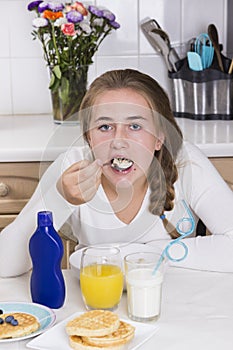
(119, 163)
(213, 34)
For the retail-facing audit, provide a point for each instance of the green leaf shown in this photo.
(57, 71)
(52, 81)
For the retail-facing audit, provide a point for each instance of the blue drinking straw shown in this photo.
(183, 234)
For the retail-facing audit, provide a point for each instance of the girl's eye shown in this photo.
(105, 127)
(135, 127)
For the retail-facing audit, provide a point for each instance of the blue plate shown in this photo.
(45, 316)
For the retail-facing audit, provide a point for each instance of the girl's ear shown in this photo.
(159, 142)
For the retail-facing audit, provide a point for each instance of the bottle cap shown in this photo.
(45, 218)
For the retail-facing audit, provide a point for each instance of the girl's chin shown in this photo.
(124, 184)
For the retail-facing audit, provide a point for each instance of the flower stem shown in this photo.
(41, 38)
(55, 44)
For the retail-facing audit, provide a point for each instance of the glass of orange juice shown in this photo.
(101, 277)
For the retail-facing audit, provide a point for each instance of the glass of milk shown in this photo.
(144, 288)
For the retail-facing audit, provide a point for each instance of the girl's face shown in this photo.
(122, 126)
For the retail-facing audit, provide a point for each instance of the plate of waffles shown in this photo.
(92, 330)
(19, 320)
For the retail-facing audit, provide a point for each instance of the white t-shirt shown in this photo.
(198, 184)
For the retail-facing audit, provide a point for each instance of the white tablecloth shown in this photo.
(197, 309)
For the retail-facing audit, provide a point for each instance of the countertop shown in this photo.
(37, 138)
(196, 312)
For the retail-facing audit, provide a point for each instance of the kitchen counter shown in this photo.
(213, 137)
(37, 138)
(196, 312)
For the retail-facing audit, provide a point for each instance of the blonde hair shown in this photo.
(163, 171)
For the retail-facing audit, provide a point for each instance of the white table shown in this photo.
(197, 309)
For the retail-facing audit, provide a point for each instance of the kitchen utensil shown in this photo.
(231, 67)
(203, 46)
(149, 28)
(147, 25)
(173, 55)
(213, 34)
(194, 61)
(163, 48)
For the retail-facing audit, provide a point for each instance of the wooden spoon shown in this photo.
(231, 67)
(213, 34)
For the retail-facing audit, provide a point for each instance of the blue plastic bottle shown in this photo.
(46, 250)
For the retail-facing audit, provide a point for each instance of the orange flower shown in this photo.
(78, 6)
(52, 15)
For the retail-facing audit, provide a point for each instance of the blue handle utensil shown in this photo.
(186, 220)
(203, 47)
(194, 61)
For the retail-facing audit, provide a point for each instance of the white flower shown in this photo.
(84, 25)
(60, 21)
(39, 22)
(98, 22)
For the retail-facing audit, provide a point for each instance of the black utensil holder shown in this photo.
(202, 95)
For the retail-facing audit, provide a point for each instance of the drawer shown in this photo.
(17, 184)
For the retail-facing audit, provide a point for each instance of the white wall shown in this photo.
(23, 74)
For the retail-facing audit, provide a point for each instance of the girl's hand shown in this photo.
(80, 182)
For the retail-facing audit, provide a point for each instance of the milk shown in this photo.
(144, 294)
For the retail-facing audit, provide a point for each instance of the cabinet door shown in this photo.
(18, 181)
(225, 168)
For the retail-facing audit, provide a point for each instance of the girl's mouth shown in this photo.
(121, 164)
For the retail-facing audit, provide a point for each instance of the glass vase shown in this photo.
(68, 95)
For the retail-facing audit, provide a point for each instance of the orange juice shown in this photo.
(101, 285)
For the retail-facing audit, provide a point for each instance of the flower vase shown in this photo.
(67, 94)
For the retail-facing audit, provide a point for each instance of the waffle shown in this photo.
(26, 325)
(121, 336)
(77, 343)
(95, 323)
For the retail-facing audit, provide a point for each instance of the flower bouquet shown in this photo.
(70, 34)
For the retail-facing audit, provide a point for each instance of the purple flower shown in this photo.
(95, 11)
(55, 6)
(74, 16)
(109, 15)
(34, 5)
(43, 6)
(114, 24)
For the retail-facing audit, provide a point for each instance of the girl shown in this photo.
(135, 181)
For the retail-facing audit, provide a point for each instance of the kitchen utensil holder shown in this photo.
(202, 95)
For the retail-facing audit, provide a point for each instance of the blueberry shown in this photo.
(1, 320)
(14, 322)
(1, 311)
(9, 318)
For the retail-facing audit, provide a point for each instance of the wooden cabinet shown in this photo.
(18, 181)
(225, 168)
(17, 184)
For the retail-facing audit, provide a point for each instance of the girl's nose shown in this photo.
(120, 138)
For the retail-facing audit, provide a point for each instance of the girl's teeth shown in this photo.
(121, 163)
